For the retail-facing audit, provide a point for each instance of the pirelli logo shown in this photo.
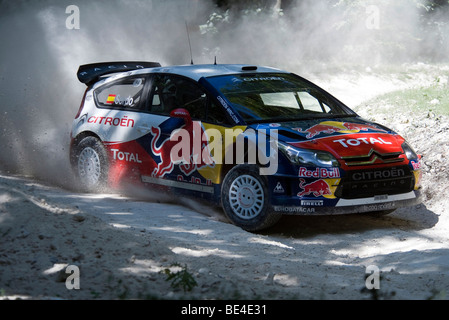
(312, 202)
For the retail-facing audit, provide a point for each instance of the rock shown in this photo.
(79, 218)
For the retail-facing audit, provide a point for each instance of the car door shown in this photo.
(176, 107)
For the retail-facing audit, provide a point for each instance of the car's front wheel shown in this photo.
(245, 198)
(91, 164)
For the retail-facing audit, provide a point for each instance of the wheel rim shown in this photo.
(246, 197)
(89, 167)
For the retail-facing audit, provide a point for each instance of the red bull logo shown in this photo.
(316, 188)
(165, 164)
(319, 128)
(361, 127)
(319, 173)
(186, 147)
(333, 127)
(181, 143)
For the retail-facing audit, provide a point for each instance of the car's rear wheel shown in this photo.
(245, 198)
(91, 164)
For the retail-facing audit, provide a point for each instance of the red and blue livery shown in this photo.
(258, 141)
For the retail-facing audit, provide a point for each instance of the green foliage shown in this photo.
(433, 99)
(181, 278)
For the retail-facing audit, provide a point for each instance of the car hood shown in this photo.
(343, 137)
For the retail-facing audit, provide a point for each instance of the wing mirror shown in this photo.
(181, 113)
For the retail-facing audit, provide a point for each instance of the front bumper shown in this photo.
(347, 206)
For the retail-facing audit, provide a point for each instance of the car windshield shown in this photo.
(277, 97)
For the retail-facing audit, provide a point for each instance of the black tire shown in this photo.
(90, 163)
(245, 199)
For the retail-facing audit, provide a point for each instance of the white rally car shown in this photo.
(259, 141)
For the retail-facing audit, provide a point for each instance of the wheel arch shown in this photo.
(76, 140)
(226, 167)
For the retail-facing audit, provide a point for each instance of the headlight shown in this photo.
(409, 152)
(306, 157)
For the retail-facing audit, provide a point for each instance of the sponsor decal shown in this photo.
(110, 99)
(129, 101)
(334, 126)
(358, 141)
(312, 202)
(190, 147)
(293, 209)
(378, 207)
(361, 127)
(379, 174)
(228, 109)
(117, 122)
(418, 178)
(125, 156)
(263, 79)
(279, 188)
(101, 68)
(316, 188)
(195, 153)
(318, 129)
(178, 184)
(115, 99)
(193, 179)
(416, 165)
(319, 173)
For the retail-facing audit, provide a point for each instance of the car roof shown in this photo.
(193, 71)
(196, 72)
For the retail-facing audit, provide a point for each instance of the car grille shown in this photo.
(373, 157)
(375, 182)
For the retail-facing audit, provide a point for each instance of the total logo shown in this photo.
(126, 156)
(358, 141)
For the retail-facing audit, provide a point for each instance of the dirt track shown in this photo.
(121, 244)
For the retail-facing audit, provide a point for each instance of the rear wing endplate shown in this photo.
(90, 73)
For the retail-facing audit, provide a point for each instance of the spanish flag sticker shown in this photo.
(111, 99)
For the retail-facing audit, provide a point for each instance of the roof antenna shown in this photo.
(190, 47)
(215, 61)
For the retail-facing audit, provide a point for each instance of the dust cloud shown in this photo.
(40, 53)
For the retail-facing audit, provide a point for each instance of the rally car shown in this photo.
(258, 141)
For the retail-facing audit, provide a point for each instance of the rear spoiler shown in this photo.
(90, 73)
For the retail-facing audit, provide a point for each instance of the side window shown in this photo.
(171, 92)
(125, 93)
(216, 114)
